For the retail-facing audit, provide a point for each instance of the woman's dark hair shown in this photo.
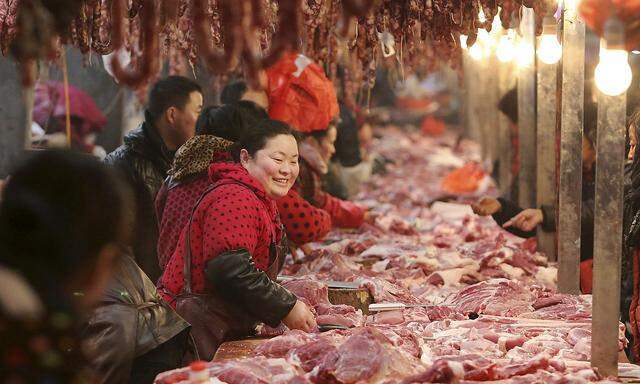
(634, 121)
(58, 210)
(229, 121)
(347, 141)
(172, 91)
(256, 137)
(233, 92)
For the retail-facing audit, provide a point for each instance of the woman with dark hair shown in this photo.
(217, 128)
(233, 244)
(316, 150)
(63, 217)
(630, 265)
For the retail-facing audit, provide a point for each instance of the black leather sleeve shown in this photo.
(548, 218)
(236, 278)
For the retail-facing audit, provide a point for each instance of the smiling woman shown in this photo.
(233, 245)
(270, 155)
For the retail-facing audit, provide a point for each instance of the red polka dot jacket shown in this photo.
(236, 214)
(303, 222)
(343, 213)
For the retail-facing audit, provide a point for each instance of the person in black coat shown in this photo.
(523, 222)
(147, 154)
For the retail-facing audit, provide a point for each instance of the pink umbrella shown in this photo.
(50, 113)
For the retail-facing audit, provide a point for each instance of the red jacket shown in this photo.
(236, 214)
(303, 222)
(344, 214)
(173, 208)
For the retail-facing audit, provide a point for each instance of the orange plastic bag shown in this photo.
(432, 126)
(300, 94)
(464, 180)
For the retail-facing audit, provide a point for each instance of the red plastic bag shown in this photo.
(300, 94)
(586, 276)
(464, 180)
(432, 126)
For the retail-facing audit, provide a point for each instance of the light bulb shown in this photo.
(506, 49)
(463, 41)
(524, 54)
(476, 52)
(549, 50)
(613, 74)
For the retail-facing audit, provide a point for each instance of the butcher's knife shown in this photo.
(342, 284)
(330, 283)
(380, 307)
(330, 327)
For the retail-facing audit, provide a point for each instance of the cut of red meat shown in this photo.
(358, 359)
(389, 317)
(520, 369)
(494, 297)
(442, 371)
(281, 345)
(314, 292)
(313, 354)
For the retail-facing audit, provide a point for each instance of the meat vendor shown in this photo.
(221, 278)
(290, 83)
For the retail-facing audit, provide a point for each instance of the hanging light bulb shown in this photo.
(506, 48)
(549, 49)
(613, 74)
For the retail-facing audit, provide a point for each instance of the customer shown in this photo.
(233, 245)
(524, 222)
(62, 218)
(146, 155)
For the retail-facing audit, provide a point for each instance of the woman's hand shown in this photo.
(300, 317)
(526, 220)
(486, 206)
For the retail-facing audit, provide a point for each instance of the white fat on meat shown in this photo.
(547, 277)
(512, 272)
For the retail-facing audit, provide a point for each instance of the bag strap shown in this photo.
(186, 272)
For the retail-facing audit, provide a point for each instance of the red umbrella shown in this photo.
(50, 113)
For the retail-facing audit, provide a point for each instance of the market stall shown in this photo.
(426, 290)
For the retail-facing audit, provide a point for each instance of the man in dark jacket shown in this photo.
(147, 153)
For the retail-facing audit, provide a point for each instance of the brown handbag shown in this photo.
(212, 320)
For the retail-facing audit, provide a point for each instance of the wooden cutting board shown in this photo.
(237, 349)
(359, 298)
